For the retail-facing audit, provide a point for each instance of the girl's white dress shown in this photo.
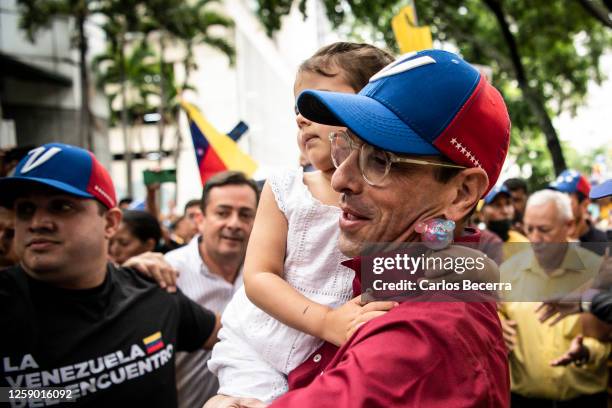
(256, 352)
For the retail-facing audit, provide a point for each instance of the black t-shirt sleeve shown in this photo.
(602, 306)
(196, 324)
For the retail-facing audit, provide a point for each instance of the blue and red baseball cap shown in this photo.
(429, 102)
(602, 190)
(571, 181)
(67, 168)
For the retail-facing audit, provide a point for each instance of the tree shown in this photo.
(143, 81)
(127, 81)
(37, 14)
(599, 11)
(543, 53)
(184, 25)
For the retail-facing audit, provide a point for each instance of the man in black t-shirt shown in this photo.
(70, 319)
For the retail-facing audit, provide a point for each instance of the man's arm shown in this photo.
(213, 338)
(151, 199)
(197, 326)
(601, 306)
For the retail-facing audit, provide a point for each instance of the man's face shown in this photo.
(500, 209)
(57, 234)
(7, 233)
(387, 213)
(228, 219)
(543, 224)
(578, 208)
(184, 229)
(519, 201)
(193, 214)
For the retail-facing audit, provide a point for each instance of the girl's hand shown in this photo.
(341, 323)
(368, 312)
(225, 401)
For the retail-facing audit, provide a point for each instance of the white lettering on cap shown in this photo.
(39, 156)
(103, 193)
(399, 66)
(398, 60)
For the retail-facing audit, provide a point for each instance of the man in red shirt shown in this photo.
(425, 139)
(422, 112)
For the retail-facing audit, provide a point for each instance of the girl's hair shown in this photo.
(142, 225)
(356, 62)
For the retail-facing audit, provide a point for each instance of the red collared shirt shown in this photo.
(419, 354)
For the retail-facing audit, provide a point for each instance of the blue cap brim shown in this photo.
(496, 191)
(367, 118)
(13, 186)
(562, 187)
(488, 200)
(602, 190)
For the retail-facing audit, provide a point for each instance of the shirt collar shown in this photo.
(571, 263)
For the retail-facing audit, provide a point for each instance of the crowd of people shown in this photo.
(255, 297)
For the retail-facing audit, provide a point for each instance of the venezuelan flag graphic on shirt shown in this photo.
(153, 343)
(215, 151)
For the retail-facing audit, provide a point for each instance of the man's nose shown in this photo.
(41, 219)
(347, 177)
(234, 221)
(302, 121)
(534, 237)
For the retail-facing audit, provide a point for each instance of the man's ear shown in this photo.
(584, 205)
(112, 220)
(469, 186)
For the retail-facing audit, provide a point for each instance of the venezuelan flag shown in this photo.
(153, 343)
(215, 151)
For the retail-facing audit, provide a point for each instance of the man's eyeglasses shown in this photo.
(374, 163)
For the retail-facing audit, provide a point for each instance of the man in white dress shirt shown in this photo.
(210, 269)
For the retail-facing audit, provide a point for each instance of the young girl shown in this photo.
(296, 294)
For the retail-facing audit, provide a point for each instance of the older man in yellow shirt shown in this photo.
(552, 268)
